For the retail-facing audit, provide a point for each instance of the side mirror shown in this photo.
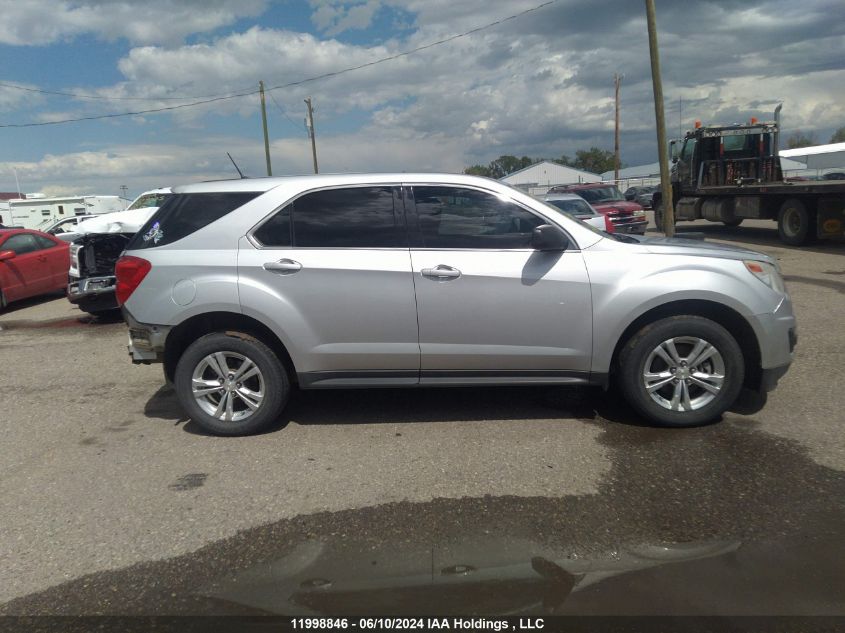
(6, 255)
(548, 238)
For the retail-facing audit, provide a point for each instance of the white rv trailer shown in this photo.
(36, 211)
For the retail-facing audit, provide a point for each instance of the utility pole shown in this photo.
(665, 182)
(617, 79)
(311, 133)
(264, 123)
(17, 184)
(680, 117)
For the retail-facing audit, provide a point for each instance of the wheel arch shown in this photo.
(181, 336)
(727, 317)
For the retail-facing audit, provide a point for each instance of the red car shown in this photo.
(627, 217)
(31, 263)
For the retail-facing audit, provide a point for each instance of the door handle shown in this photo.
(441, 271)
(283, 266)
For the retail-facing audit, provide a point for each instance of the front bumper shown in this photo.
(777, 334)
(638, 227)
(91, 288)
(146, 342)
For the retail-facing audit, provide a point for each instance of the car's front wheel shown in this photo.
(231, 384)
(681, 371)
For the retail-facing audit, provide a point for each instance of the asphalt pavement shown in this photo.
(450, 500)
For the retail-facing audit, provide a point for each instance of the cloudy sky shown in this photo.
(539, 84)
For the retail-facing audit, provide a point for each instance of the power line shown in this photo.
(291, 84)
(77, 95)
(284, 114)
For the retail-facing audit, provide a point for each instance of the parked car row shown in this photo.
(624, 216)
(76, 254)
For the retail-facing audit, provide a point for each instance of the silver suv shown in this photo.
(243, 288)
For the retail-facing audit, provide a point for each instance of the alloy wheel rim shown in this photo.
(684, 373)
(228, 386)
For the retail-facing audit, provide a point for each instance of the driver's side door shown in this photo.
(490, 308)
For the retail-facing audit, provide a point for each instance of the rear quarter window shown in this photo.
(183, 214)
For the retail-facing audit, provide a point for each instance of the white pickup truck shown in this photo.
(99, 242)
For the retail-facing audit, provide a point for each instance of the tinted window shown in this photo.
(360, 217)
(182, 214)
(149, 200)
(44, 242)
(21, 243)
(450, 217)
(575, 207)
(276, 230)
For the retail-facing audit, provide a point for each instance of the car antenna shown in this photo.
(236, 165)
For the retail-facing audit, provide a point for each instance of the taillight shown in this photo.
(608, 224)
(130, 272)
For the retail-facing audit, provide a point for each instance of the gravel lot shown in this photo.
(110, 502)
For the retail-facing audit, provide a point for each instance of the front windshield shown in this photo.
(601, 194)
(148, 200)
(574, 206)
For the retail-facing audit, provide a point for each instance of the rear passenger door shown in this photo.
(332, 270)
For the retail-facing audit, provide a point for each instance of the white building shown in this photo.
(819, 159)
(37, 210)
(540, 177)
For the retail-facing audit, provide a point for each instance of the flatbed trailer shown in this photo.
(732, 173)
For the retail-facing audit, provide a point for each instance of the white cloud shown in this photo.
(336, 16)
(540, 85)
(41, 22)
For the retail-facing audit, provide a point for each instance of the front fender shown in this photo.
(651, 281)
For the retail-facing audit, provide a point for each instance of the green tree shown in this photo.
(563, 160)
(838, 136)
(478, 170)
(508, 164)
(799, 139)
(594, 159)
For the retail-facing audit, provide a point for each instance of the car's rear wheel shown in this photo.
(231, 384)
(3, 302)
(681, 371)
(734, 222)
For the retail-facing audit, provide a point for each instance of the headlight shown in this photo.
(766, 273)
(638, 214)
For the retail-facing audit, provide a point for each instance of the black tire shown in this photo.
(796, 224)
(658, 216)
(734, 222)
(276, 384)
(3, 302)
(638, 350)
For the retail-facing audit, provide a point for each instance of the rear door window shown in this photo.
(183, 214)
(355, 217)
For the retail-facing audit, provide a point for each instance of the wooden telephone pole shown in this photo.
(312, 134)
(617, 79)
(665, 183)
(264, 123)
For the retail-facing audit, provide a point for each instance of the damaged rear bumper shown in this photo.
(146, 342)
